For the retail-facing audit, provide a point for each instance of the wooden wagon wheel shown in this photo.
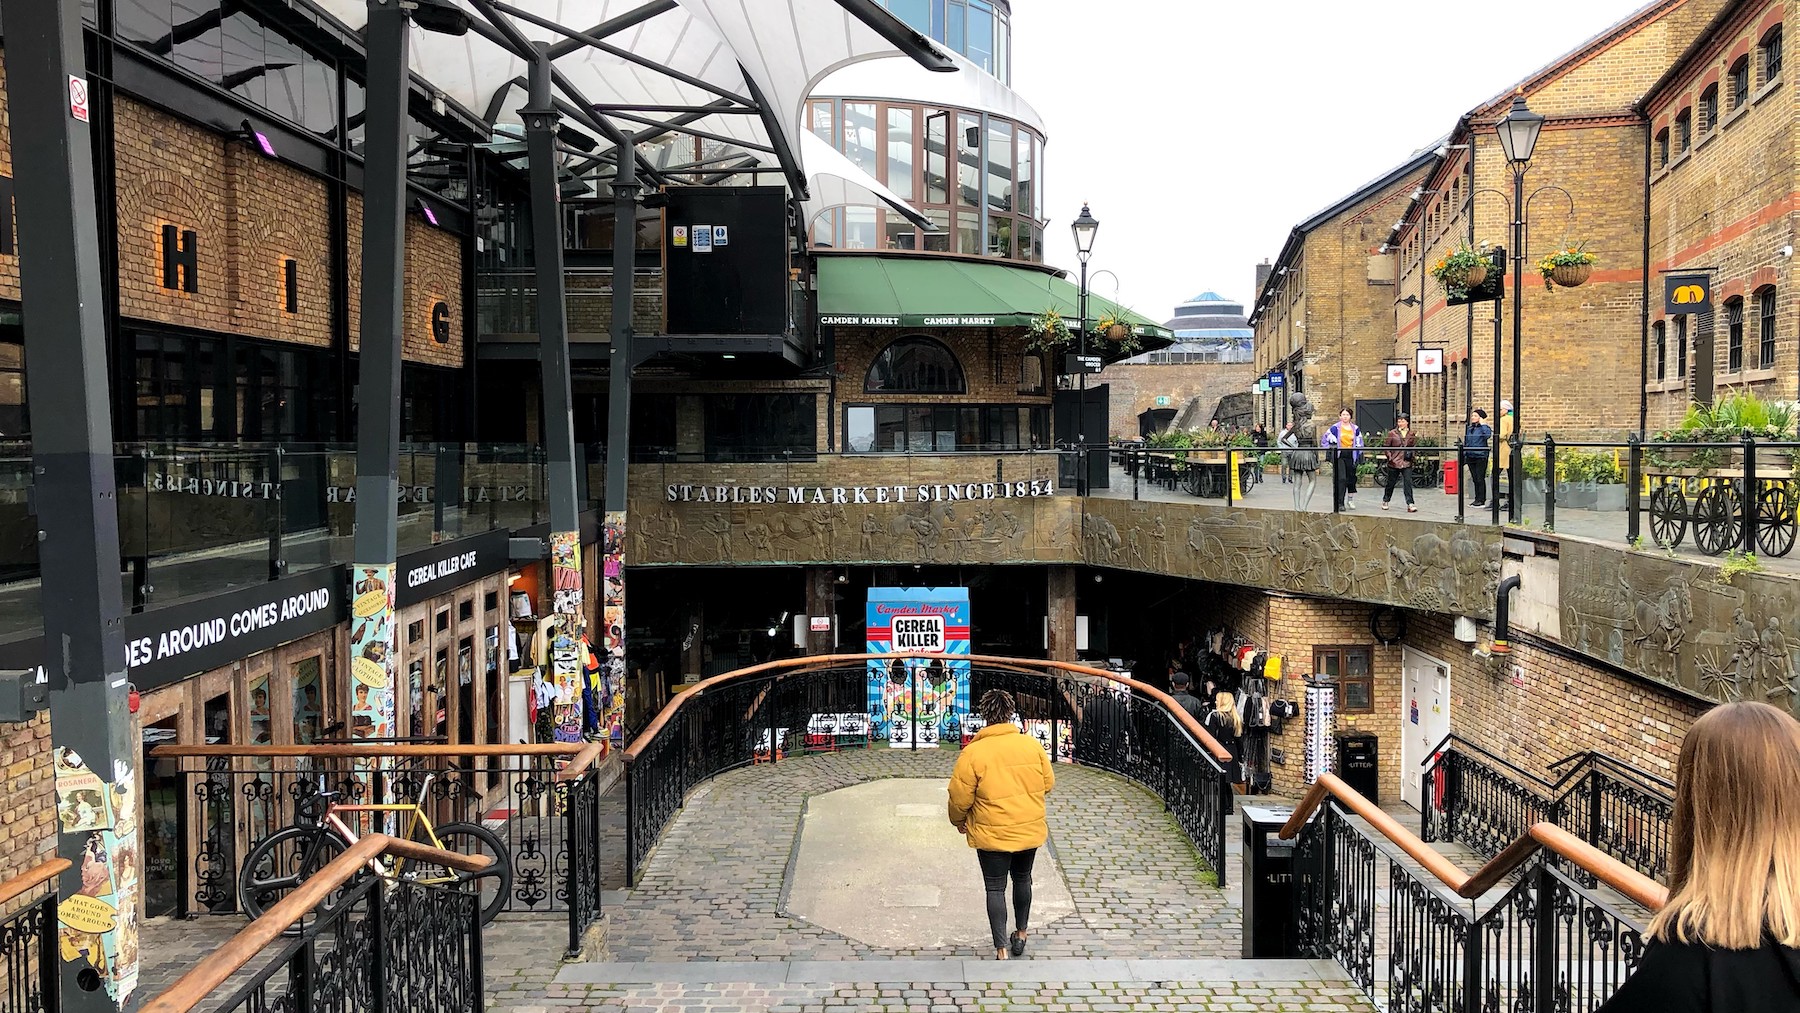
(1716, 518)
(1775, 522)
(1668, 514)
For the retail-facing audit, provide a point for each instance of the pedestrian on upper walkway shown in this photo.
(1475, 454)
(1343, 441)
(1399, 444)
(1728, 941)
(997, 798)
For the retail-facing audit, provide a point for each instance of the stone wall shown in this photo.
(1136, 386)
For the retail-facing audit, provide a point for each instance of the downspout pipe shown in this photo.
(1502, 627)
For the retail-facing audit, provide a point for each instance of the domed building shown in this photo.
(1212, 357)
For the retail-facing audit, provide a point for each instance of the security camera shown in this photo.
(1785, 251)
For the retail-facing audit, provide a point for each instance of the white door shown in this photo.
(1424, 719)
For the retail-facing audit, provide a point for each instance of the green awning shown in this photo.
(872, 291)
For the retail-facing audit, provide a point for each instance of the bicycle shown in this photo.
(304, 849)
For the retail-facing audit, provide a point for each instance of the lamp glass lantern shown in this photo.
(1084, 229)
(1518, 132)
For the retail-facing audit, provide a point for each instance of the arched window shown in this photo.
(915, 365)
(1734, 331)
(1662, 148)
(1659, 333)
(1765, 329)
(1709, 110)
(1770, 48)
(1684, 131)
(1740, 83)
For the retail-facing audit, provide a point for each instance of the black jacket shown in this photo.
(1190, 703)
(1691, 978)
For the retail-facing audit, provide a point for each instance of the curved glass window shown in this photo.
(915, 365)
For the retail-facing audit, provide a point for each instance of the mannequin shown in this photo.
(1300, 445)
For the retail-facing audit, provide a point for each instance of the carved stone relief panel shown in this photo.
(1675, 622)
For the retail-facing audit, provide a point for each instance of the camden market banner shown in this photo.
(918, 702)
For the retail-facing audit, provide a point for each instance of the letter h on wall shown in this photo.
(180, 264)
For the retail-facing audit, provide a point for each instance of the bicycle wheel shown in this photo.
(492, 885)
(281, 862)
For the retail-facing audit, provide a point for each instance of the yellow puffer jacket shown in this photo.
(998, 788)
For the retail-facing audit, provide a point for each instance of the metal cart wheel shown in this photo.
(1716, 518)
(1775, 521)
(1668, 514)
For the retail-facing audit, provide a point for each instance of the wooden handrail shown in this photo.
(1031, 666)
(582, 754)
(20, 885)
(1634, 885)
(192, 988)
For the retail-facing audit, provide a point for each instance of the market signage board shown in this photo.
(918, 701)
(442, 568)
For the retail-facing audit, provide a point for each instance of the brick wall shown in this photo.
(1565, 706)
(27, 797)
(433, 274)
(9, 266)
(1136, 387)
(991, 359)
(1291, 627)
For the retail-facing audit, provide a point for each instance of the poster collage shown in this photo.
(372, 706)
(98, 924)
(566, 654)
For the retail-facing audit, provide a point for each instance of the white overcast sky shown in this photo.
(1201, 131)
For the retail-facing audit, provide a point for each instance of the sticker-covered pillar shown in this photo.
(373, 661)
(566, 655)
(620, 359)
(77, 506)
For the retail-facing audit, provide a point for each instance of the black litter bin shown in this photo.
(1269, 929)
(1358, 764)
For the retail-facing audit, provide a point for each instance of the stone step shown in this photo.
(972, 971)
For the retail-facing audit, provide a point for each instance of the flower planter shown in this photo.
(1117, 332)
(1609, 497)
(1571, 275)
(1475, 276)
(1577, 495)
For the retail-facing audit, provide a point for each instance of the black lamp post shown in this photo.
(1084, 228)
(1518, 134)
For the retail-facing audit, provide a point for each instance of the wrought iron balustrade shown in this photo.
(543, 803)
(29, 979)
(770, 712)
(1482, 801)
(1552, 941)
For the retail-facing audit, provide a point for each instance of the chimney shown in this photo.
(1263, 270)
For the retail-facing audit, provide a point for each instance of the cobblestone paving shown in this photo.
(713, 888)
(957, 997)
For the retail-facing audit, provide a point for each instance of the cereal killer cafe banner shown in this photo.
(918, 701)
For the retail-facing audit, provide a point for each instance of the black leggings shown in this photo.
(995, 867)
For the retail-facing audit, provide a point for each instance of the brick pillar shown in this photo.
(1062, 613)
(821, 588)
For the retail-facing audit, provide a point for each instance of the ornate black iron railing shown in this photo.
(770, 712)
(1480, 800)
(549, 823)
(383, 946)
(28, 946)
(1550, 943)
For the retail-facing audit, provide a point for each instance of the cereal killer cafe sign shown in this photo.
(825, 495)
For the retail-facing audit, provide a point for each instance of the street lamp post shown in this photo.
(1084, 228)
(1518, 134)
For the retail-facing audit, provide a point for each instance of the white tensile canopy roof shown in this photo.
(707, 68)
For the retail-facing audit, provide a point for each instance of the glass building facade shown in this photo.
(978, 29)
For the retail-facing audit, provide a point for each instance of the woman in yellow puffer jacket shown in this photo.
(997, 798)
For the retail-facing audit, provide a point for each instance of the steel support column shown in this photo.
(541, 121)
(620, 360)
(76, 501)
(373, 658)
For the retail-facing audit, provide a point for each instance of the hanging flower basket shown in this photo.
(1461, 269)
(1048, 333)
(1116, 332)
(1568, 267)
(1571, 275)
(1120, 332)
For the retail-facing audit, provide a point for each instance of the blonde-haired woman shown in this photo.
(1226, 726)
(1729, 938)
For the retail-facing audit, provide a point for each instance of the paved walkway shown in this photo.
(1610, 526)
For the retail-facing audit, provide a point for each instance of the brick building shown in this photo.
(1582, 355)
(1321, 317)
(1723, 180)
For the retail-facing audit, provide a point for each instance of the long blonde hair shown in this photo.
(1734, 845)
(1226, 704)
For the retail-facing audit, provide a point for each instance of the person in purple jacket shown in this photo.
(1342, 443)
